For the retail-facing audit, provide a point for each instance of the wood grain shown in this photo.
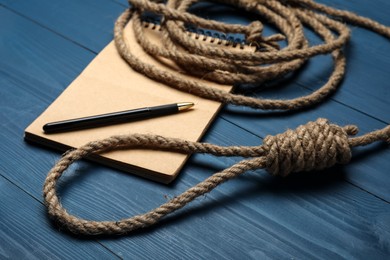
(306, 216)
(369, 111)
(74, 19)
(94, 27)
(25, 233)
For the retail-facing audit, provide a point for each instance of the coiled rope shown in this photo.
(314, 146)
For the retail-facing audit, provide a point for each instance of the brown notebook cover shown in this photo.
(107, 85)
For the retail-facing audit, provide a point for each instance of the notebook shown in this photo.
(107, 85)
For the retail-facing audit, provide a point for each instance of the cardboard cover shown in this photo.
(107, 85)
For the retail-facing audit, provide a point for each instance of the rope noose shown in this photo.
(314, 146)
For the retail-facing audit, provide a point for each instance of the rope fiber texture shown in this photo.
(313, 146)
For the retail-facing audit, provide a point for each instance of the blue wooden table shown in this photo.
(343, 212)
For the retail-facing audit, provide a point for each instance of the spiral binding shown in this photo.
(202, 35)
(215, 37)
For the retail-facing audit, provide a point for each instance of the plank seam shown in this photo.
(40, 202)
(47, 28)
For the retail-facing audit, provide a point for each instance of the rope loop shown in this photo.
(231, 67)
(314, 146)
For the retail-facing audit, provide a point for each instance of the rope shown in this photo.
(314, 146)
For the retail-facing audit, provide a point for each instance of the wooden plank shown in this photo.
(250, 206)
(31, 78)
(252, 216)
(23, 46)
(375, 11)
(257, 123)
(373, 184)
(366, 76)
(124, 3)
(26, 233)
(74, 20)
(366, 83)
(306, 216)
(255, 217)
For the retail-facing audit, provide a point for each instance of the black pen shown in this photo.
(115, 118)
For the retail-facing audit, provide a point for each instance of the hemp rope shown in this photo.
(314, 146)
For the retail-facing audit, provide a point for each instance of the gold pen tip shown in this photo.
(184, 105)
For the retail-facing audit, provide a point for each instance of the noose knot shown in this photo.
(313, 146)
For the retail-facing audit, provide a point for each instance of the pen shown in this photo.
(115, 118)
